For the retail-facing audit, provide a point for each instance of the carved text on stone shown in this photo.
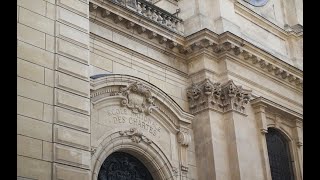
(126, 117)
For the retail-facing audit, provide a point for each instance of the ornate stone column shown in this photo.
(219, 110)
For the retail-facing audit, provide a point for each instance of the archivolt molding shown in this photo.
(222, 98)
(150, 154)
(139, 96)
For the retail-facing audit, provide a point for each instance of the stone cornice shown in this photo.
(276, 108)
(234, 45)
(222, 98)
(259, 70)
(185, 47)
(273, 28)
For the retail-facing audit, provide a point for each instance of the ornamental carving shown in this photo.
(135, 135)
(222, 98)
(138, 98)
(184, 138)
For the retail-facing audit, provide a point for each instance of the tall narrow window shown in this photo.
(279, 156)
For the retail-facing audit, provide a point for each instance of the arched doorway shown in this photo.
(123, 166)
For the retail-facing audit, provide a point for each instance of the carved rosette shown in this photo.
(135, 135)
(138, 98)
(222, 98)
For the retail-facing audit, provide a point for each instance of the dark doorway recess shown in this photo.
(123, 166)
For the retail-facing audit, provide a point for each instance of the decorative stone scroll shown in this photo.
(138, 98)
(135, 135)
(184, 138)
(222, 98)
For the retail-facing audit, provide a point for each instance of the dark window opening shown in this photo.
(279, 155)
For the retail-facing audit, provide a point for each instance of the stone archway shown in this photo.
(148, 153)
(123, 166)
(133, 116)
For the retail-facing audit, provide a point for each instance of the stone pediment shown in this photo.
(222, 98)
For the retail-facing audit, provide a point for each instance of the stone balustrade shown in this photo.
(154, 13)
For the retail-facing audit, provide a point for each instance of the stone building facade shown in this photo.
(159, 89)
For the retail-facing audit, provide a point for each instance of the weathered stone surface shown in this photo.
(38, 6)
(72, 19)
(31, 36)
(30, 71)
(35, 55)
(47, 151)
(76, 5)
(29, 108)
(34, 128)
(67, 172)
(33, 168)
(73, 68)
(74, 35)
(72, 156)
(36, 21)
(34, 91)
(29, 147)
(72, 119)
(100, 62)
(72, 101)
(71, 137)
(73, 51)
(72, 84)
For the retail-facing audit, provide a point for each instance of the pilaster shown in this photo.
(260, 116)
(71, 125)
(219, 110)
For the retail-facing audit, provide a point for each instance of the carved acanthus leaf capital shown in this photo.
(135, 135)
(219, 97)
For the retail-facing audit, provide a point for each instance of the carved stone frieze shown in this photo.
(222, 98)
(138, 98)
(135, 135)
